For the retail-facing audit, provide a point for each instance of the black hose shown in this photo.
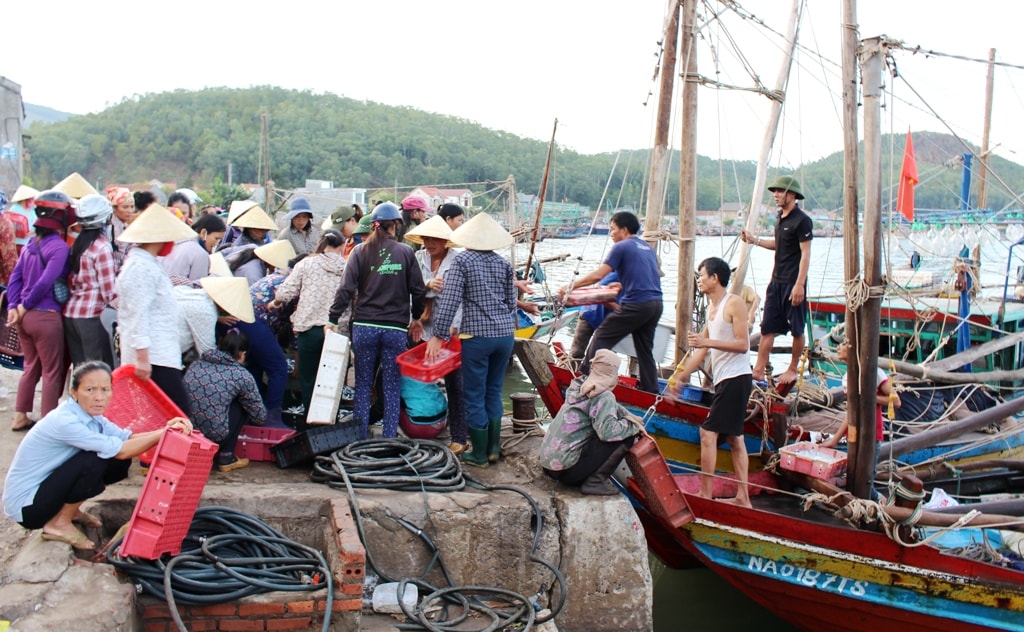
(399, 464)
(228, 555)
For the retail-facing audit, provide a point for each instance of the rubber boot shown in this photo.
(274, 419)
(478, 455)
(598, 483)
(494, 440)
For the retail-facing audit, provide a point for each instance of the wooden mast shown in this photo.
(778, 97)
(687, 178)
(540, 202)
(865, 343)
(983, 171)
(656, 186)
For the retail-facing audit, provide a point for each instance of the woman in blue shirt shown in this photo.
(70, 456)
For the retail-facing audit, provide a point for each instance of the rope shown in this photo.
(228, 555)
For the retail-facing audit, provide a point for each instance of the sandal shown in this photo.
(87, 519)
(21, 422)
(76, 539)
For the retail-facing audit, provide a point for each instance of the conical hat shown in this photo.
(482, 233)
(23, 193)
(75, 186)
(237, 208)
(277, 253)
(254, 218)
(155, 225)
(433, 227)
(232, 295)
(219, 265)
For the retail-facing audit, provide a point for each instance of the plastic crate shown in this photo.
(330, 378)
(449, 358)
(139, 405)
(814, 460)
(170, 496)
(652, 477)
(697, 395)
(302, 447)
(254, 442)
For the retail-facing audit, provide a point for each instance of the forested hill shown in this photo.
(189, 137)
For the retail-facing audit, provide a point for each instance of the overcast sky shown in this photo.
(516, 66)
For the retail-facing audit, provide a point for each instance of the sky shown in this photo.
(518, 66)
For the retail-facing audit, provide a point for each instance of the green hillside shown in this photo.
(189, 137)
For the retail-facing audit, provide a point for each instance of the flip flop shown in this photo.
(77, 539)
(89, 520)
(23, 428)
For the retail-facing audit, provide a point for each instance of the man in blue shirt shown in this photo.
(640, 301)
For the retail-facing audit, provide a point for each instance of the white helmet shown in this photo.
(94, 211)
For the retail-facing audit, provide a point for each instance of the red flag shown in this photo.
(908, 178)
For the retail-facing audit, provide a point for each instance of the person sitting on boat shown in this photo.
(591, 432)
(70, 456)
(640, 302)
(785, 302)
(883, 397)
(591, 317)
(300, 231)
(725, 339)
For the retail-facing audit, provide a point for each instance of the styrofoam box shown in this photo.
(661, 338)
(813, 460)
(330, 378)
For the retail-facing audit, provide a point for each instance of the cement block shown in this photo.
(40, 561)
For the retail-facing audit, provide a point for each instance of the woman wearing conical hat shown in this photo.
(148, 313)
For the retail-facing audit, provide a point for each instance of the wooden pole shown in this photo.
(659, 154)
(687, 177)
(861, 438)
(983, 167)
(767, 141)
(540, 202)
(946, 431)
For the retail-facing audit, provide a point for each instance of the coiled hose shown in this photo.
(228, 555)
(503, 607)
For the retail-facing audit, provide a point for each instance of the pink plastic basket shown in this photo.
(814, 460)
(139, 405)
(170, 496)
(254, 442)
(412, 364)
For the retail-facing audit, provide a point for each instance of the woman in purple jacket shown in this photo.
(33, 308)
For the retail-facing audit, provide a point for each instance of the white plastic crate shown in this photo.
(330, 379)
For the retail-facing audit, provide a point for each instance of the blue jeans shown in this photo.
(484, 361)
(265, 357)
(373, 347)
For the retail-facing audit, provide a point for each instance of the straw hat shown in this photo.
(482, 233)
(23, 193)
(604, 373)
(433, 227)
(237, 208)
(156, 225)
(232, 295)
(255, 217)
(277, 253)
(219, 265)
(75, 186)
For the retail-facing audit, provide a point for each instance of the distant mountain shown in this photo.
(190, 138)
(42, 114)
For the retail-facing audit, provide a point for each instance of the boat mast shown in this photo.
(656, 186)
(777, 96)
(865, 336)
(540, 202)
(513, 219)
(687, 178)
(983, 170)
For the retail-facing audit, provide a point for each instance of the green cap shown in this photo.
(365, 225)
(787, 183)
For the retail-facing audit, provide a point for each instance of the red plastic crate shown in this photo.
(412, 364)
(139, 405)
(170, 495)
(814, 460)
(651, 474)
(254, 442)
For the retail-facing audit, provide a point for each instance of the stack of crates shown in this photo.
(330, 379)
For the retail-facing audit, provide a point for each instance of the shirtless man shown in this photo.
(785, 303)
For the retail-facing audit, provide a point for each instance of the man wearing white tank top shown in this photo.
(725, 338)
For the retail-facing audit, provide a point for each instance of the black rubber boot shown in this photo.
(599, 483)
(494, 440)
(478, 455)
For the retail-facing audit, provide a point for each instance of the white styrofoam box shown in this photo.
(330, 378)
(661, 338)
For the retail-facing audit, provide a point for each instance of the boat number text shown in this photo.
(808, 577)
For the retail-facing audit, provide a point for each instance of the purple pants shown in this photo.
(42, 341)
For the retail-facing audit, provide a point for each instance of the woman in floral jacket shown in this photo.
(224, 397)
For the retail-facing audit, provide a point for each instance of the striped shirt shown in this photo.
(481, 282)
(92, 287)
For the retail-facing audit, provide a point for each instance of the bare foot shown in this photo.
(73, 536)
(757, 374)
(745, 502)
(788, 377)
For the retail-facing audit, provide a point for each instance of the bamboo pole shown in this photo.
(659, 154)
(983, 167)
(540, 202)
(687, 178)
(942, 432)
